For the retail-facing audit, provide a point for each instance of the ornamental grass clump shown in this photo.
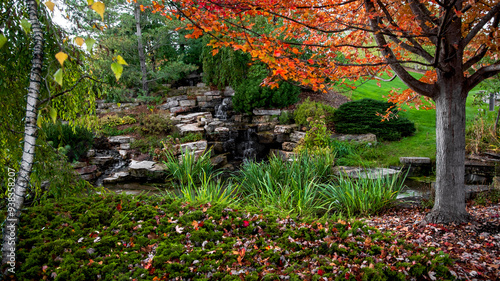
(290, 186)
(210, 189)
(189, 167)
(362, 196)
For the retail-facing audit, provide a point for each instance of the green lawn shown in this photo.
(422, 143)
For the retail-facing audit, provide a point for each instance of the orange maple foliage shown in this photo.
(315, 41)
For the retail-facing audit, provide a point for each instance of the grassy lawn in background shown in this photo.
(422, 143)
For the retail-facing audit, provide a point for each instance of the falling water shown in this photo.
(221, 110)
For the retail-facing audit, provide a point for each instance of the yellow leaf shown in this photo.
(61, 57)
(120, 60)
(50, 5)
(90, 2)
(79, 41)
(99, 8)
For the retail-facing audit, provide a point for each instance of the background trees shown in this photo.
(362, 38)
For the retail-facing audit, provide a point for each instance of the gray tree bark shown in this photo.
(16, 198)
(449, 204)
(140, 48)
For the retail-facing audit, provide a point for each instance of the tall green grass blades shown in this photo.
(286, 185)
(189, 167)
(364, 195)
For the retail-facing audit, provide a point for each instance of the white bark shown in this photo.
(16, 202)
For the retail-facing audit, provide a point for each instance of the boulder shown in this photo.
(86, 170)
(296, 136)
(284, 129)
(288, 146)
(219, 161)
(266, 137)
(192, 146)
(102, 160)
(184, 129)
(180, 109)
(284, 155)
(169, 104)
(117, 177)
(266, 126)
(146, 170)
(187, 103)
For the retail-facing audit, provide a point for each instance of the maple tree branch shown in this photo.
(416, 85)
(493, 12)
(482, 74)
(480, 53)
(416, 48)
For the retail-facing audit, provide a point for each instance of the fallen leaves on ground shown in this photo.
(475, 246)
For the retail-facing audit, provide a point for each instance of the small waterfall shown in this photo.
(221, 110)
(249, 150)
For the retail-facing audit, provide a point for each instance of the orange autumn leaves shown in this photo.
(317, 41)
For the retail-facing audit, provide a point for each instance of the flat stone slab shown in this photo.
(370, 138)
(117, 177)
(267, 111)
(189, 128)
(414, 160)
(296, 136)
(370, 173)
(192, 146)
(284, 129)
(146, 169)
(120, 139)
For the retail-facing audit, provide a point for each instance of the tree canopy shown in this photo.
(313, 42)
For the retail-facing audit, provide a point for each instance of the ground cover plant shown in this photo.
(112, 237)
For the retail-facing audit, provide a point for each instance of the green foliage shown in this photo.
(285, 118)
(84, 230)
(364, 195)
(191, 137)
(480, 134)
(310, 111)
(115, 120)
(290, 186)
(155, 124)
(249, 93)
(317, 136)
(78, 139)
(189, 168)
(207, 190)
(363, 116)
(226, 68)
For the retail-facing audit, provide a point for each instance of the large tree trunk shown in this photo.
(449, 205)
(142, 57)
(16, 198)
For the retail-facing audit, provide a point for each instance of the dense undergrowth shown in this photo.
(113, 237)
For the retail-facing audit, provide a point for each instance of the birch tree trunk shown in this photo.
(140, 47)
(16, 198)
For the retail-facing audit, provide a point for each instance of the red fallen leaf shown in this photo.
(119, 207)
(321, 272)
(246, 223)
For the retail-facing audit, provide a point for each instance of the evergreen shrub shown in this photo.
(249, 94)
(75, 140)
(360, 117)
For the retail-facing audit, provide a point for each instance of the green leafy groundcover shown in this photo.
(111, 237)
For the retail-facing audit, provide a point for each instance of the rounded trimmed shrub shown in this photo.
(360, 117)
